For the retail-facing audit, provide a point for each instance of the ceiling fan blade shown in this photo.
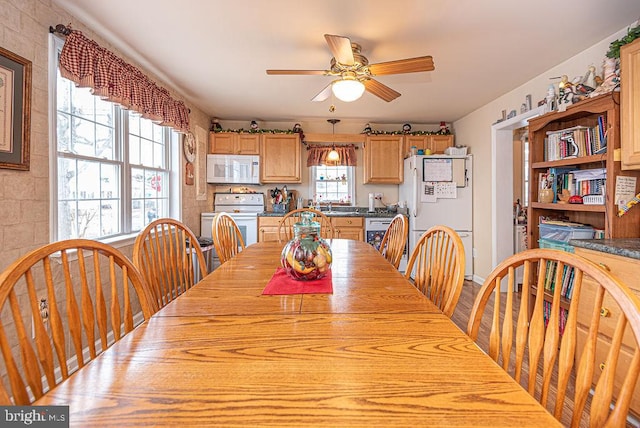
(324, 94)
(298, 72)
(409, 65)
(340, 48)
(380, 90)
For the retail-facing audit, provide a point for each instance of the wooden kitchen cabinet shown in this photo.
(268, 228)
(383, 159)
(348, 227)
(280, 158)
(630, 104)
(234, 143)
(626, 270)
(436, 143)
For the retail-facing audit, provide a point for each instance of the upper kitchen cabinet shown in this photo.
(630, 104)
(280, 156)
(234, 143)
(437, 143)
(383, 159)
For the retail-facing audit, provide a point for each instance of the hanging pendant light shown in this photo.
(333, 156)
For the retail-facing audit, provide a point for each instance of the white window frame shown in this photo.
(172, 161)
(351, 182)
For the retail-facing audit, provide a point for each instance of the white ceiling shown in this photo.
(216, 52)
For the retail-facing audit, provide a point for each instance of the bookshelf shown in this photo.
(590, 125)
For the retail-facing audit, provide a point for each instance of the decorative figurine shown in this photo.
(586, 85)
(550, 99)
(215, 125)
(611, 79)
(406, 128)
(565, 93)
(444, 130)
(297, 128)
(254, 125)
(589, 79)
(367, 129)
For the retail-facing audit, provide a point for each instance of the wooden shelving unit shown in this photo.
(605, 216)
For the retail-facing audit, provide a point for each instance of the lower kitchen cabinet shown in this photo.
(268, 228)
(626, 270)
(345, 228)
(348, 227)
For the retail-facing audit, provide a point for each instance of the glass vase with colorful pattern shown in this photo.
(307, 256)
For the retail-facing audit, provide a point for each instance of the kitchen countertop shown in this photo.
(625, 247)
(343, 212)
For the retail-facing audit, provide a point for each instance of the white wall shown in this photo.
(474, 130)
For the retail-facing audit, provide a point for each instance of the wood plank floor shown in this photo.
(461, 318)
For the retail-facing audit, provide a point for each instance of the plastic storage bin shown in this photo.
(560, 233)
(456, 151)
(555, 245)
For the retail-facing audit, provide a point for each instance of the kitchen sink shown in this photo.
(342, 213)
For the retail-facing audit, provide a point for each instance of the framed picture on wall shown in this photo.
(15, 110)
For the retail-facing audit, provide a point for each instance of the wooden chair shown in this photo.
(168, 255)
(540, 344)
(285, 229)
(438, 260)
(226, 235)
(61, 305)
(395, 240)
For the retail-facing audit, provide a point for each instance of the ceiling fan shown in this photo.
(355, 74)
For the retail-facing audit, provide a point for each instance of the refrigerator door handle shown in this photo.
(414, 171)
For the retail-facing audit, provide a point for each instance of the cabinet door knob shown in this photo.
(604, 266)
(602, 366)
(349, 221)
(604, 312)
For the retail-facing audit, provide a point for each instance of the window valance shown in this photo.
(318, 155)
(89, 65)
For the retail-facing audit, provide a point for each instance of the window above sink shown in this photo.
(335, 184)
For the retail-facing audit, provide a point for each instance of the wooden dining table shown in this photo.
(374, 351)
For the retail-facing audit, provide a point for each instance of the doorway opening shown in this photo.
(503, 135)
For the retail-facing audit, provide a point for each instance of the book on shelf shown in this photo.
(561, 179)
(590, 181)
(575, 142)
(601, 146)
(546, 310)
(565, 281)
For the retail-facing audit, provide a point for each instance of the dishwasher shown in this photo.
(374, 230)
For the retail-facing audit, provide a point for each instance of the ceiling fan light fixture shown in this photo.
(347, 89)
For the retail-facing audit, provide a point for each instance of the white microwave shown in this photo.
(233, 169)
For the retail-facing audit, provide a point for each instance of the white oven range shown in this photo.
(243, 208)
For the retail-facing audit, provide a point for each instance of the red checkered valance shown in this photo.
(89, 65)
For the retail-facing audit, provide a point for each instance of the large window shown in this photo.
(333, 184)
(111, 167)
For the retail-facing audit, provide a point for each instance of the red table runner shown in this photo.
(281, 283)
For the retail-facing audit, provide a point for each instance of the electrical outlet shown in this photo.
(378, 196)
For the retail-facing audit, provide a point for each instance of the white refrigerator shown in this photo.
(438, 190)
